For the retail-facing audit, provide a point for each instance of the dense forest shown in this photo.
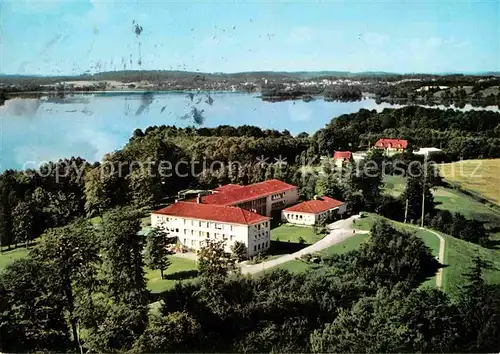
(82, 288)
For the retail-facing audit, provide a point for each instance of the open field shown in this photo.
(478, 176)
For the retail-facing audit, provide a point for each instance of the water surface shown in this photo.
(36, 130)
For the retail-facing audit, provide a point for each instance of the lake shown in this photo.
(36, 130)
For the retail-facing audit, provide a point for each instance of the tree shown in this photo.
(392, 321)
(71, 255)
(239, 249)
(479, 305)
(417, 185)
(393, 257)
(176, 332)
(36, 307)
(213, 261)
(121, 249)
(6, 202)
(156, 250)
(24, 222)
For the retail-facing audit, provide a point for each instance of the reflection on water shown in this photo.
(35, 130)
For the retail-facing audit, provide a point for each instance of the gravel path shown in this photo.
(339, 231)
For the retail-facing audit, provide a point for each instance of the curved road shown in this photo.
(339, 231)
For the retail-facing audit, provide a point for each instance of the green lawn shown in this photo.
(454, 201)
(297, 266)
(181, 269)
(458, 258)
(290, 233)
(8, 257)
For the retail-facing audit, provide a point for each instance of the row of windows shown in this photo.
(260, 235)
(216, 235)
(294, 216)
(277, 196)
(261, 246)
(262, 225)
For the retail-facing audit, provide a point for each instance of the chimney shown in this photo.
(198, 198)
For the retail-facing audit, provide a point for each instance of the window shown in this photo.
(232, 237)
(192, 233)
(258, 247)
(199, 223)
(185, 241)
(267, 243)
(185, 231)
(184, 221)
(208, 234)
(231, 228)
(255, 248)
(176, 230)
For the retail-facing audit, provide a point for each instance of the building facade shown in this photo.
(194, 223)
(314, 212)
(342, 158)
(392, 145)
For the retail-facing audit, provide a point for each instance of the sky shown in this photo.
(55, 37)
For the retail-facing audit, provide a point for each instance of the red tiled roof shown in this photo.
(227, 187)
(315, 206)
(342, 155)
(235, 195)
(393, 143)
(219, 213)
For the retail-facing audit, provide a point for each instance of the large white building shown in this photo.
(313, 212)
(231, 213)
(194, 223)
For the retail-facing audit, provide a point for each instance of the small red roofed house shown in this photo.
(398, 145)
(341, 158)
(314, 211)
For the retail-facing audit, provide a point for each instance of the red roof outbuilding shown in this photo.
(315, 206)
(220, 213)
(342, 155)
(392, 143)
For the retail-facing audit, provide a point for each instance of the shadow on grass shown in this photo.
(182, 275)
(493, 244)
(281, 247)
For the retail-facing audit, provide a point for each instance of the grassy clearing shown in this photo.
(291, 233)
(181, 269)
(297, 266)
(8, 257)
(478, 176)
(456, 202)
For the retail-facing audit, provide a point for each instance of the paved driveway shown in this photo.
(339, 231)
